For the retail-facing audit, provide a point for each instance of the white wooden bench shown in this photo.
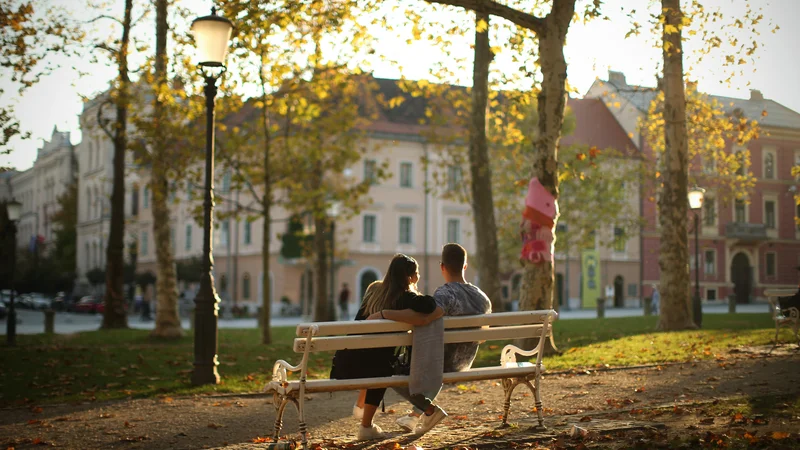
(331, 336)
(789, 317)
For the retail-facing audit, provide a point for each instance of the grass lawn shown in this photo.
(118, 364)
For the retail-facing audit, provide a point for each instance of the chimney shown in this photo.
(617, 78)
(755, 94)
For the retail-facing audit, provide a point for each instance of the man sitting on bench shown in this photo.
(456, 297)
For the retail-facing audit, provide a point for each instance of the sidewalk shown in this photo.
(32, 322)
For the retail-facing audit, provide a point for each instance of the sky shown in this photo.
(592, 49)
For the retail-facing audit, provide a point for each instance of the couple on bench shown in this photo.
(397, 298)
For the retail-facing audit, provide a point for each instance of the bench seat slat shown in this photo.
(475, 374)
(376, 326)
(326, 344)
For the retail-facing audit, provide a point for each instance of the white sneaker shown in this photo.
(369, 433)
(427, 422)
(408, 422)
(358, 412)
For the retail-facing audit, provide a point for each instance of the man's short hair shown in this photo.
(454, 257)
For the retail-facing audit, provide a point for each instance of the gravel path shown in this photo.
(474, 409)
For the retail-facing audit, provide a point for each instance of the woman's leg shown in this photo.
(362, 395)
(371, 401)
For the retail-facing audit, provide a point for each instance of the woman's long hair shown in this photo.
(384, 294)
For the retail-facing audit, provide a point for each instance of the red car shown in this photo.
(89, 304)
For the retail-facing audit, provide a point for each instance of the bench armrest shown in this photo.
(280, 369)
(510, 352)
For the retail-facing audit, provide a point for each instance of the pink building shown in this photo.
(746, 246)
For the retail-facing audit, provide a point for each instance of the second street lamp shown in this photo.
(695, 203)
(333, 212)
(211, 35)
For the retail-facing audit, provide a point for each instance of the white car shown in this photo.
(39, 301)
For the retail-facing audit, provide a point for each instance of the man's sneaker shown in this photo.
(369, 433)
(408, 422)
(427, 422)
(358, 412)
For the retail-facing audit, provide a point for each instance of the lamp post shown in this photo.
(13, 208)
(695, 203)
(211, 34)
(333, 212)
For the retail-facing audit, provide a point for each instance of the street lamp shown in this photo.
(211, 34)
(695, 203)
(333, 213)
(13, 208)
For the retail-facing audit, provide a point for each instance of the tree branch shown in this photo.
(524, 20)
(101, 121)
(101, 17)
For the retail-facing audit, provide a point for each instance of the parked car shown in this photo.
(40, 302)
(89, 304)
(24, 301)
(59, 303)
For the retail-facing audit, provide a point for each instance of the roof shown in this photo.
(595, 126)
(753, 108)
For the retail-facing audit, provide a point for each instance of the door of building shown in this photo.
(741, 275)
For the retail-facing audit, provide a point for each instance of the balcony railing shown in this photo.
(746, 231)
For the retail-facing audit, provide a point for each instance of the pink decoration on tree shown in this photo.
(539, 215)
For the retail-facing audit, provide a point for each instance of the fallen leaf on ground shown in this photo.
(586, 419)
(215, 426)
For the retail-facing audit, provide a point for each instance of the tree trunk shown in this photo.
(538, 279)
(114, 315)
(168, 324)
(482, 201)
(673, 259)
(266, 203)
(322, 311)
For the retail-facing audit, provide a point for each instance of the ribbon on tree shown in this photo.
(536, 230)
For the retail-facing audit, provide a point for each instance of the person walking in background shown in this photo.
(344, 299)
(656, 299)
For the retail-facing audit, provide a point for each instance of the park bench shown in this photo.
(332, 336)
(783, 313)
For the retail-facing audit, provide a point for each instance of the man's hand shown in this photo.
(411, 317)
(375, 316)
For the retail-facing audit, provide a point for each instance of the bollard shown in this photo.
(601, 308)
(49, 321)
(732, 304)
(259, 318)
(648, 306)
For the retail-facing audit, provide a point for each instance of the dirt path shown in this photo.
(607, 398)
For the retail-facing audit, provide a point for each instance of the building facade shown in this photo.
(39, 188)
(747, 245)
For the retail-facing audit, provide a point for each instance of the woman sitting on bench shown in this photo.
(398, 290)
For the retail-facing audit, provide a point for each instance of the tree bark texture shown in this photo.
(480, 170)
(168, 323)
(322, 312)
(538, 279)
(114, 315)
(673, 259)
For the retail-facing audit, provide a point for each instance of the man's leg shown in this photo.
(421, 402)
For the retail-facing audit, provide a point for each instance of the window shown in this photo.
(405, 230)
(454, 176)
(739, 212)
(144, 243)
(771, 256)
(369, 228)
(145, 197)
(226, 182)
(224, 233)
(405, 175)
(246, 286)
(453, 231)
(710, 164)
(709, 212)
(769, 214)
(633, 290)
(248, 229)
(741, 158)
(769, 165)
(223, 283)
(710, 258)
(711, 294)
(370, 174)
(135, 201)
(619, 240)
(188, 236)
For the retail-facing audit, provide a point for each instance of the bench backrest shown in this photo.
(331, 336)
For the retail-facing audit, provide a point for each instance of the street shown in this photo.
(32, 322)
